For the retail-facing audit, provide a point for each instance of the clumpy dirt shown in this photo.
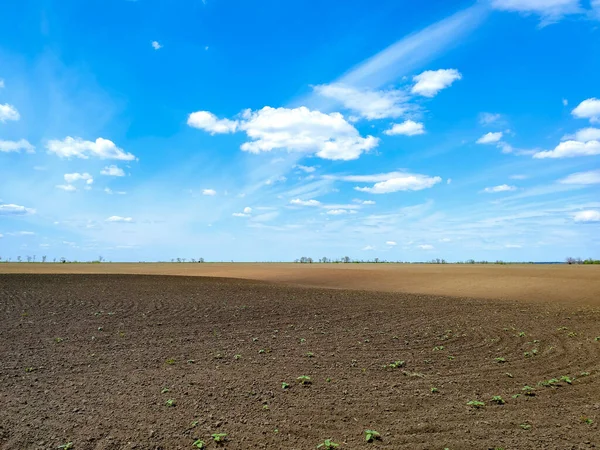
(94, 360)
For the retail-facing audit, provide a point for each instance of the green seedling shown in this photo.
(587, 420)
(199, 444)
(529, 391)
(551, 382)
(562, 328)
(170, 361)
(396, 364)
(66, 446)
(597, 338)
(525, 426)
(451, 358)
(219, 437)
(164, 390)
(522, 334)
(237, 356)
(438, 348)
(372, 435)
(266, 407)
(29, 369)
(497, 399)
(191, 361)
(194, 424)
(531, 354)
(328, 380)
(500, 360)
(302, 340)
(310, 355)
(170, 402)
(254, 339)
(516, 395)
(328, 444)
(100, 329)
(584, 374)
(566, 379)
(572, 334)
(304, 380)
(284, 385)
(476, 404)
(261, 351)
(434, 390)
(58, 340)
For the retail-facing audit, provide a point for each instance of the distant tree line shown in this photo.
(571, 260)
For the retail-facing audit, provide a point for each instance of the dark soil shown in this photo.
(87, 359)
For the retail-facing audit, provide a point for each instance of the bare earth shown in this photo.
(91, 354)
(527, 282)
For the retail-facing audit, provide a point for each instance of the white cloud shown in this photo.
(15, 210)
(207, 121)
(565, 102)
(16, 146)
(209, 192)
(156, 45)
(366, 202)
(391, 243)
(582, 178)
(490, 138)
(1, 83)
(73, 177)
(426, 247)
(77, 147)
(337, 212)
(407, 128)
(587, 216)
(449, 181)
(368, 248)
(488, 118)
(307, 169)
(430, 82)
(299, 202)
(571, 149)
(119, 219)
(513, 246)
(8, 112)
(369, 104)
(66, 187)
(518, 177)
(110, 191)
(584, 135)
(239, 215)
(549, 10)
(500, 188)
(404, 182)
(113, 171)
(247, 210)
(330, 136)
(588, 109)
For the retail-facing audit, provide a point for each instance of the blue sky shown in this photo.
(236, 130)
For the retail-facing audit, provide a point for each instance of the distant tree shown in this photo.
(18, 259)
(200, 260)
(346, 259)
(63, 260)
(183, 259)
(100, 258)
(28, 258)
(376, 260)
(54, 260)
(33, 258)
(178, 260)
(44, 258)
(309, 260)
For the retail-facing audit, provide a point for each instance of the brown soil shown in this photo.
(84, 358)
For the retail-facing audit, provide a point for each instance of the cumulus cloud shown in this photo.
(587, 216)
(156, 45)
(407, 128)
(66, 187)
(500, 188)
(119, 219)
(337, 212)
(307, 169)
(367, 103)
(299, 202)
(209, 192)
(588, 109)
(1, 83)
(401, 182)
(16, 146)
(79, 148)
(549, 10)
(112, 171)
(582, 178)
(368, 248)
(15, 210)
(329, 136)
(8, 112)
(488, 118)
(425, 247)
(571, 149)
(73, 177)
(247, 210)
(430, 82)
(490, 138)
(207, 121)
(391, 243)
(584, 135)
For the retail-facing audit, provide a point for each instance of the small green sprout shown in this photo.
(328, 380)
(396, 364)
(191, 361)
(328, 444)
(310, 355)
(587, 420)
(572, 334)
(304, 380)
(170, 361)
(434, 390)
(451, 358)
(237, 356)
(584, 374)
(372, 435)
(497, 399)
(266, 407)
(67, 446)
(550, 382)
(566, 379)
(476, 404)
(29, 369)
(302, 340)
(58, 340)
(100, 329)
(170, 402)
(199, 444)
(194, 424)
(164, 390)
(597, 338)
(500, 360)
(254, 339)
(219, 437)
(529, 391)
(261, 351)
(522, 334)
(438, 348)
(284, 385)
(516, 395)
(525, 426)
